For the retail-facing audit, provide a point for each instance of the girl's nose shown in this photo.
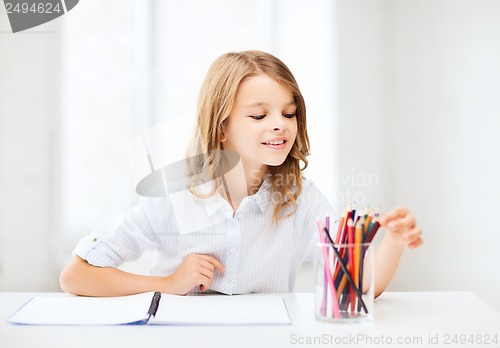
(278, 123)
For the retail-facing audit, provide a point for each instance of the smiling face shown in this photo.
(262, 126)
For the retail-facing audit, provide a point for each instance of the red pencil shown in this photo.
(373, 230)
(351, 241)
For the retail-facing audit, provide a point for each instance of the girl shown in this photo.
(252, 230)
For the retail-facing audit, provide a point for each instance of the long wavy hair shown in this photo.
(215, 103)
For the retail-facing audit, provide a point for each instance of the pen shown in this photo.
(155, 302)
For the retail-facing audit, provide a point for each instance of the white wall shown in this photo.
(65, 122)
(420, 83)
(28, 120)
(97, 120)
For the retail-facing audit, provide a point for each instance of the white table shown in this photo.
(422, 319)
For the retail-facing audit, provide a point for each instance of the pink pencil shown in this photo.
(335, 302)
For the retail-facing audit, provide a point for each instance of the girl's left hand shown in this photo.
(402, 227)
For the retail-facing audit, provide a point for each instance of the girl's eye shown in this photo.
(289, 115)
(258, 117)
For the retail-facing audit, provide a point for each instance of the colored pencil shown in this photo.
(357, 292)
(329, 284)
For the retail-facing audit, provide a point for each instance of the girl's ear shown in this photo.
(223, 137)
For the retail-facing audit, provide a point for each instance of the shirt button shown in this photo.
(94, 239)
(233, 250)
(229, 280)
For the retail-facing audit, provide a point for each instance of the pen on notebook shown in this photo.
(155, 302)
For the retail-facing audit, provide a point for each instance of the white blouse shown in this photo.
(257, 255)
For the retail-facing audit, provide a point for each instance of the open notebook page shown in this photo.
(221, 310)
(73, 310)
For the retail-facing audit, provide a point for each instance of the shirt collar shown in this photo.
(262, 197)
(214, 203)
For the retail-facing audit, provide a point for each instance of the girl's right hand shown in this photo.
(196, 269)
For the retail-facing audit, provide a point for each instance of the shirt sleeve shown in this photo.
(125, 237)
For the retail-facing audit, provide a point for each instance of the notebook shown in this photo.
(154, 309)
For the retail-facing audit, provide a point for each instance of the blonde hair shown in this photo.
(215, 103)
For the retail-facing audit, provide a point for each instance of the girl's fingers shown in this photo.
(413, 234)
(206, 271)
(416, 244)
(207, 266)
(413, 238)
(402, 224)
(206, 278)
(217, 265)
(396, 213)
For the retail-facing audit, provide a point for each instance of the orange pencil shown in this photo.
(340, 228)
(343, 283)
(357, 249)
